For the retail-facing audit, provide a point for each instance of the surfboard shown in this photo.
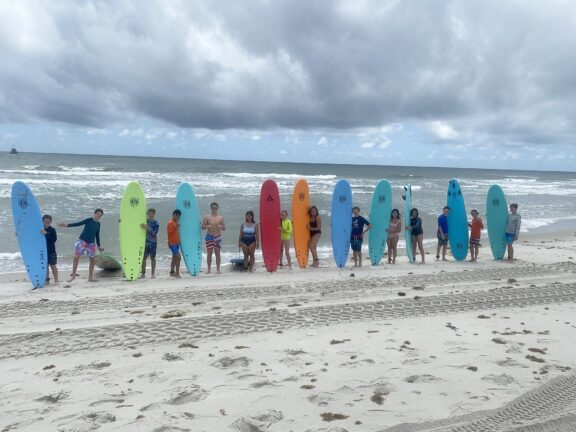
(300, 221)
(107, 262)
(457, 221)
(270, 224)
(28, 223)
(132, 235)
(190, 230)
(380, 220)
(497, 220)
(341, 222)
(407, 233)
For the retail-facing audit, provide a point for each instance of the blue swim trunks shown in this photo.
(175, 249)
(150, 249)
(510, 238)
(356, 243)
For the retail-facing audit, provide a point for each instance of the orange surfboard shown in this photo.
(300, 221)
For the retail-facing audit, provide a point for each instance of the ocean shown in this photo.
(70, 187)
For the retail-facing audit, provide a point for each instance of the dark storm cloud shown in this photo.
(500, 70)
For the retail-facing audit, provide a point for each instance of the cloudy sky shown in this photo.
(467, 83)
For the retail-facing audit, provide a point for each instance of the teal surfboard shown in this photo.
(190, 228)
(407, 233)
(28, 223)
(341, 222)
(457, 221)
(497, 220)
(380, 220)
(132, 235)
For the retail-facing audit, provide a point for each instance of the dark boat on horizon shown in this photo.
(13, 151)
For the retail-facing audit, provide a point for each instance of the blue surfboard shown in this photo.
(341, 222)
(190, 228)
(28, 224)
(407, 233)
(497, 220)
(380, 220)
(457, 221)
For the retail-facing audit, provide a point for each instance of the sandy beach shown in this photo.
(437, 347)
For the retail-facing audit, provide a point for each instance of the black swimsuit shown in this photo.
(314, 225)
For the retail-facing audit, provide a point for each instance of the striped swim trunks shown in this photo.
(213, 241)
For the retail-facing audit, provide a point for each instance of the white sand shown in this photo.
(274, 352)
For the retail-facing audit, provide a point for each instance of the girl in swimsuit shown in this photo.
(393, 235)
(285, 236)
(417, 233)
(249, 241)
(315, 228)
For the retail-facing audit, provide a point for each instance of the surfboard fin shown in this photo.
(404, 197)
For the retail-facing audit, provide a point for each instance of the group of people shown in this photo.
(249, 238)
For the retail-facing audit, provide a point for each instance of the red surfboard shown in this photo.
(270, 224)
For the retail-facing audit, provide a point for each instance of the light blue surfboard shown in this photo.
(28, 224)
(341, 222)
(407, 233)
(497, 220)
(380, 220)
(457, 221)
(190, 228)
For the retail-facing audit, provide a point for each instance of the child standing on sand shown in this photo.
(417, 234)
(357, 236)
(214, 225)
(315, 228)
(89, 238)
(394, 230)
(285, 237)
(476, 229)
(50, 233)
(174, 243)
(151, 228)
(512, 230)
(442, 233)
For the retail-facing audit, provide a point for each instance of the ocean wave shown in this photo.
(10, 256)
(278, 176)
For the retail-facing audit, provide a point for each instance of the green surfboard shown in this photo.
(132, 235)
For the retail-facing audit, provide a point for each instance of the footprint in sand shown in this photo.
(257, 423)
(187, 394)
(502, 380)
(320, 399)
(231, 362)
(425, 378)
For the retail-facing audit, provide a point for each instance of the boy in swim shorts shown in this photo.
(512, 230)
(214, 225)
(151, 228)
(357, 236)
(476, 229)
(50, 233)
(174, 243)
(87, 242)
(442, 233)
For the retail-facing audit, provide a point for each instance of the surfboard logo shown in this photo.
(134, 202)
(459, 245)
(269, 199)
(187, 204)
(342, 198)
(381, 199)
(301, 196)
(23, 203)
(496, 202)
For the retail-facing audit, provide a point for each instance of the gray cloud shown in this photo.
(493, 70)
